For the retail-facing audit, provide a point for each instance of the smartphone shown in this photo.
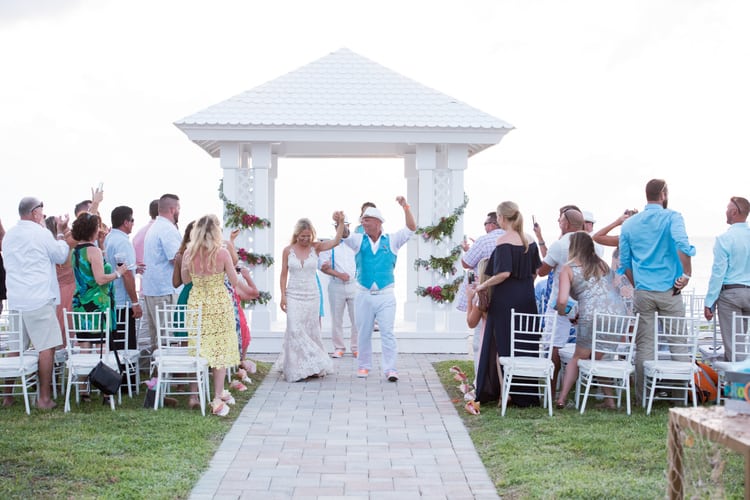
(100, 186)
(533, 219)
(472, 277)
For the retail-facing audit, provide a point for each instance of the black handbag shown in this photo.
(103, 377)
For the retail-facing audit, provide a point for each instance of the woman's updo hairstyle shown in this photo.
(509, 211)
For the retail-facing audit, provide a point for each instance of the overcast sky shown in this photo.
(604, 96)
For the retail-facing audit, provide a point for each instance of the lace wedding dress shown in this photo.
(302, 351)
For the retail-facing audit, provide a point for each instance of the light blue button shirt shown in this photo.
(731, 261)
(649, 242)
(117, 242)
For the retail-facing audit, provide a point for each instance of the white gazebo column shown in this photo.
(426, 163)
(273, 174)
(412, 248)
(262, 238)
(458, 158)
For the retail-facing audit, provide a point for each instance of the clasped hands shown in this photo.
(338, 217)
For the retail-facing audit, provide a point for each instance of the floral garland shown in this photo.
(236, 216)
(263, 298)
(441, 294)
(446, 225)
(445, 265)
(255, 259)
(472, 406)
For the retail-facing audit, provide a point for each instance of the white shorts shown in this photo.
(562, 332)
(41, 327)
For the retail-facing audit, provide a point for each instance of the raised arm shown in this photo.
(408, 215)
(603, 237)
(322, 246)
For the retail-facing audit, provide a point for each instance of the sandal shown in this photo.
(249, 366)
(242, 376)
(472, 407)
(219, 409)
(237, 386)
(86, 398)
(559, 406)
(227, 397)
(194, 403)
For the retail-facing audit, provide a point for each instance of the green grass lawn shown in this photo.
(94, 452)
(600, 454)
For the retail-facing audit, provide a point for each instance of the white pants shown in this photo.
(369, 308)
(341, 296)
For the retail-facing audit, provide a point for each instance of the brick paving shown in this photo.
(346, 437)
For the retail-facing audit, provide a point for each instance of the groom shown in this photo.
(375, 255)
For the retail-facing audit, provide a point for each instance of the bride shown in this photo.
(302, 351)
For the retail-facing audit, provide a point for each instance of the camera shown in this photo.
(472, 277)
(630, 212)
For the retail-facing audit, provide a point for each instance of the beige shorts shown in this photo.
(41, 327)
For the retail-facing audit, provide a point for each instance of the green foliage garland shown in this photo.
(445, 265)
(446, 225)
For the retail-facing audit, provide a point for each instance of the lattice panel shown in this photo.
(442, 205)
(245, 188)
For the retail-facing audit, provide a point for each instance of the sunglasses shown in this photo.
(41, 205)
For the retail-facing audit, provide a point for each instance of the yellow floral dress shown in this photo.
(218, 334)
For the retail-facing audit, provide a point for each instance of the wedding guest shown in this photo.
(481, 249)
(729, 285)
(94, 277)
(339, 264)
(205, 264)
(30, 254)
(118, 249)
(376, 258)
(655, 255)
(65, 280)
(620, 281)
(138, 245)
(159, 248)
(570, 221)
(512, 269)
(302, 352)
(588, 279)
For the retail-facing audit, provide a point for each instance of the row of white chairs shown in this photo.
(612, 362)
(176, 361)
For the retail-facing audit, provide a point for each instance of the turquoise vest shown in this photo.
(375, 267)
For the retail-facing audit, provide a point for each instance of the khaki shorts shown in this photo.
(41, 327)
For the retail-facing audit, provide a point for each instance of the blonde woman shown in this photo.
(512, 268)
(205, 263)
(588, 279)
(302, 351)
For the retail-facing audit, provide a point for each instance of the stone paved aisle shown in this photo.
(345, 437)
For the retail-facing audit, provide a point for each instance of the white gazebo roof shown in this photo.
(343, 104)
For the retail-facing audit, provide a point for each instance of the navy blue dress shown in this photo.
(516, 292)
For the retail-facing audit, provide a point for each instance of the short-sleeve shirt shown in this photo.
(161, 245)
(117, 242)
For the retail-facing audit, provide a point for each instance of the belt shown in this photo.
(731, 287)
(378, 291)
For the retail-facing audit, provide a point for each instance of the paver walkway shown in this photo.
(346, 437)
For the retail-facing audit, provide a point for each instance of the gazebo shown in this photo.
(345, 105)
